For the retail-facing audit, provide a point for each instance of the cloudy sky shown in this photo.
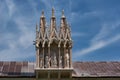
(95, 28)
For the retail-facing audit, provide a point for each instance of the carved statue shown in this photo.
(60, 62)
(54, 62)
(47, 62)
(66, 59)
(37, 44)
(41, 63)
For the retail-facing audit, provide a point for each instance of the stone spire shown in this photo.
(63, 16)
(42, 14)
(42, 23)
(53, 12)
(53, 21)
(63, 22)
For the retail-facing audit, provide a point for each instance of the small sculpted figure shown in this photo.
(47, 62)
(41, 63)
(67, 59)
(54, 62)
(60, 61)
(37, 44)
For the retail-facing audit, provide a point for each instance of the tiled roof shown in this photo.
(16, 69)
(96, 69)
(81, 69)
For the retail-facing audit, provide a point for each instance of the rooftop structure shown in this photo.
(53, 49)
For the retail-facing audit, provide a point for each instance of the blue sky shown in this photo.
(95, 28)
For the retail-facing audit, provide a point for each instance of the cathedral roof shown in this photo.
(16, 69)
(96, 69)
(81, 69)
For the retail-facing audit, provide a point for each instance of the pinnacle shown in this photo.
(63, 16)
(52, 12)
(42, 14)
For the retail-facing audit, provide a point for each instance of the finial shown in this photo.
(42, 13)
(63, 13)
(52, 11)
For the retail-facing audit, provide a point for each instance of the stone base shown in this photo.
(54, 73)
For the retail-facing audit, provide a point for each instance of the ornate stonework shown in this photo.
(53, 45)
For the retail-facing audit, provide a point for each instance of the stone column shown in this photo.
(48, 75)
(43, 58)
(49, 55)
(59, 74)
(70, 52)
(64, 57)
(37, 57)
(59, 58)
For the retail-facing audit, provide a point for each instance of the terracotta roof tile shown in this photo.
(16, 68)
(81, 69)
(96, 69)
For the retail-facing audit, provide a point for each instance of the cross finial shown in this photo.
(52, 11)
(42, 13)
(62, 12)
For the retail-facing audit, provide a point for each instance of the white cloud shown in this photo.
(98, 45)
(17, 44)
(102, 39)
(86, 15)
(78, 34)
(11, 7)
(27, 34)
(107, 29)
(12, 51)
(14, 55)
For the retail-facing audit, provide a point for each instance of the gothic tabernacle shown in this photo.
(53, 48)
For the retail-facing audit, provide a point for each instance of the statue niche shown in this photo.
(67, 59)
(60, 61)
(47, 62)
(41, 61)
(54, 55)
(54, 61)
